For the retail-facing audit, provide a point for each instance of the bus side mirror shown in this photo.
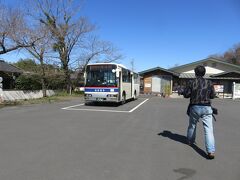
(117, 74)
(116, 71)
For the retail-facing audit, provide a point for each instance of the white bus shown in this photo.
(110, 82)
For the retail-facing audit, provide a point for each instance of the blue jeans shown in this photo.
(205, 113)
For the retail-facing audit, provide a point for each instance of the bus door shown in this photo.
(120, 86)
(132, 84)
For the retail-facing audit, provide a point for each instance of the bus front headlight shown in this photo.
(112, 95)
(88, 95)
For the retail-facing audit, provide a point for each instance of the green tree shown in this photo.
(28, 65)
(54, 77)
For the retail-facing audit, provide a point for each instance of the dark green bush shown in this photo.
(56, 82)
(28, 82)
(33, 82)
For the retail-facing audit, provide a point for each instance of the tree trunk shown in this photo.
(43, 78)
(44, 90)
(67, 77)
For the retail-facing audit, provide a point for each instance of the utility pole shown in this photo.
(132, 64)
(1, 93)
(1, 85)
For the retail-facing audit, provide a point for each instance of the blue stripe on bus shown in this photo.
(101, 90)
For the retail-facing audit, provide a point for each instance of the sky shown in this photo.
(163, 33)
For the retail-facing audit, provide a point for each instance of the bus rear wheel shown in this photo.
(123, 99)
(135, 95)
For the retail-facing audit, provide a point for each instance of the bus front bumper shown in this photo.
(100, 98)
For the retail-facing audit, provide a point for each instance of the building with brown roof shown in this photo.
(221, 73)
(9, 73)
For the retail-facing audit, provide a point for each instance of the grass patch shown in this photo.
(65, 94)
(58, 97)
(9, 103)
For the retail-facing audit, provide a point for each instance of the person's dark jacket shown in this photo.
(200, 91)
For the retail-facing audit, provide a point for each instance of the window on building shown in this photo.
(214, 64)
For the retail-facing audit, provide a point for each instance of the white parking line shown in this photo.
(102, 110)
(138, 106)
(73, 106)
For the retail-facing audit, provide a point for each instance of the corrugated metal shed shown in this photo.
(209, 76)
(191, 75)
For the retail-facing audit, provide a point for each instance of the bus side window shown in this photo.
(126, 74)
(129, 76)
(136, 79)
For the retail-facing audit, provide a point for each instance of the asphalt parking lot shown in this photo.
(141, 140)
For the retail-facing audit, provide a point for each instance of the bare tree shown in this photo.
(238, 55)
(217, 56)
(12, 27)
(40, 50)
(231, 56)
(95, 50)
(132, 62)
(67, 28)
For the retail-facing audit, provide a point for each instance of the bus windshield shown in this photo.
(101, 75)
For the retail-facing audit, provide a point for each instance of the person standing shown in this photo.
(200, 91)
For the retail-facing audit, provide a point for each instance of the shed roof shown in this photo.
(191, 75)
(228, 75)
(236, 73)
(158, 68)
(203, 61)
(5, 67)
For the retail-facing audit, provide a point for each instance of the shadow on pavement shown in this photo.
(107, 104)
(182, 139)
(186, 172)
(104, 104)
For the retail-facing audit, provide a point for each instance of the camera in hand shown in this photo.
(215, 111)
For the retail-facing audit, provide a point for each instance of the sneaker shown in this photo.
(191, 143)
(211, 156)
